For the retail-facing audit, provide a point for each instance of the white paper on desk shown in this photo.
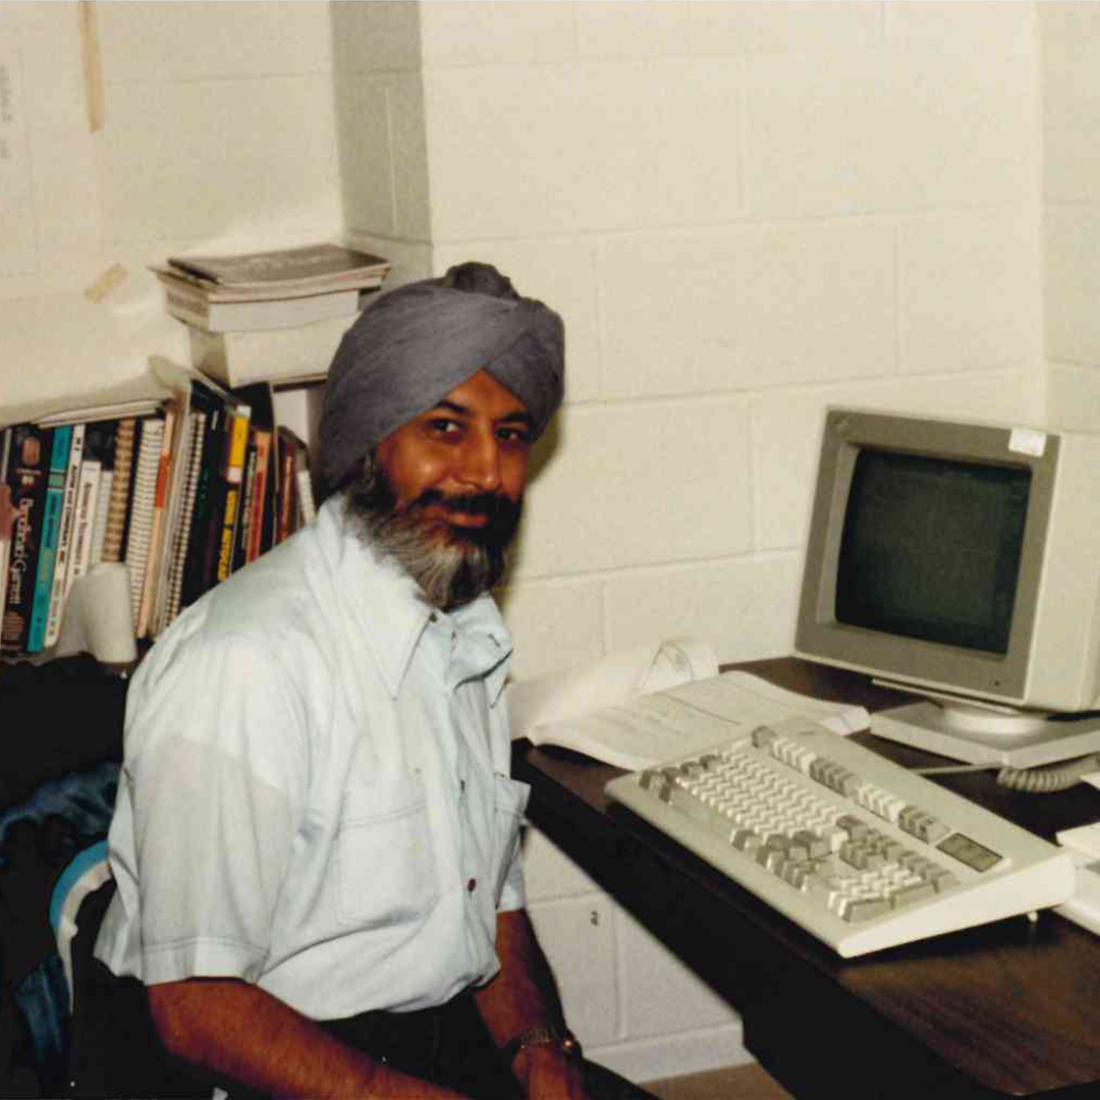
(744, 695)
(644, 730)
(582, 689)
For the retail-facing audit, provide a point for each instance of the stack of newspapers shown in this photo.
(269, 315)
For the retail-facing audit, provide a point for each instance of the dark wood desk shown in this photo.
(1011, 1009)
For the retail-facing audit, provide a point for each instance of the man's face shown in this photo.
(475, 442)
(443, 494)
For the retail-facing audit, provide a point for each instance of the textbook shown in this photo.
(51, 529)
(29, 449)
(629, 709)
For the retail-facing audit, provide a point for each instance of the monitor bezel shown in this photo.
(952, 669)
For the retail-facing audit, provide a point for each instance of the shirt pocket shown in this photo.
(509, 803)
(385, 865)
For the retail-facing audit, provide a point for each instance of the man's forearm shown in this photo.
(522, 996)
(232, 1028)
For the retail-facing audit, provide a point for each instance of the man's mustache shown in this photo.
(493, 506)
(501, 515)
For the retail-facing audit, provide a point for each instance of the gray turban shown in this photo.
(417, 343)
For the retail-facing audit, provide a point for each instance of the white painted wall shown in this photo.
(744, 211)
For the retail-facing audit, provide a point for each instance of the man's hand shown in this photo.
(547, 1073)
(523, 996)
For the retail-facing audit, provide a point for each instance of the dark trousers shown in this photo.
(117, 1052)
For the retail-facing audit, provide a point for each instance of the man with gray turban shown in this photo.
(316, 845)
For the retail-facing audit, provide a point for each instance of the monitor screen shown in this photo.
(931, 548)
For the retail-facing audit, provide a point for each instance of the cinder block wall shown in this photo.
(1070, 68)
(745, 212)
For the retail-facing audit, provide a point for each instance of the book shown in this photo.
(65, 535)
(205, 308)
(233, 477)
(142, 504)
(99, 526)
(29, 451)
(99, 448)
(292, 452)
(243, 537)
(297, 354)
(51, 529)
(87, 492)
(260, 398)
(7, 514)
(182, 538)
(154, 566)
(307, 509)
(261, 527)
(620, 710)
(309, 269)
(118, 503)
(198, 570)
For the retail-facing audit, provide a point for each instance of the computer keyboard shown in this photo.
(860, 852)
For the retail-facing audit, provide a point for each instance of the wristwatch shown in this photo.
(544, 1036)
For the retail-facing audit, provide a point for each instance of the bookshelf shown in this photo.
(121, 506)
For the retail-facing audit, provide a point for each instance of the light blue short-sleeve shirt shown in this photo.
(315, 793)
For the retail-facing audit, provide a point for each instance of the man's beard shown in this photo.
(452, 565)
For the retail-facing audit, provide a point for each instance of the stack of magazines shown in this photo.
(269, 315)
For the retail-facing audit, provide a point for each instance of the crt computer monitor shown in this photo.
(961, 562)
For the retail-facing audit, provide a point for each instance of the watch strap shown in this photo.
(542, 1036)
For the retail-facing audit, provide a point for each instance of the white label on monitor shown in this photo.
(1027, 441)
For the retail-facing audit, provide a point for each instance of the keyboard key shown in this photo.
(861, 909)
(907, 895)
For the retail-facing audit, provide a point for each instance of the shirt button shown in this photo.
(471, 886)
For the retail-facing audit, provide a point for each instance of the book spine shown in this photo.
(51, 526)
(307, 510)
(248, 494)
(155, 554)
(99, 446)
(261, 497)
(28, 473)
(142, 502)
(120, 490)
(65, 536)
(187, 514)
(234, 473)
(7, 517)
(102, 507)
(195, 568)
(288, 486)
(87, 493)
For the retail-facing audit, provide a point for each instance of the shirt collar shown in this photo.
(483, 647)
(394, 615)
